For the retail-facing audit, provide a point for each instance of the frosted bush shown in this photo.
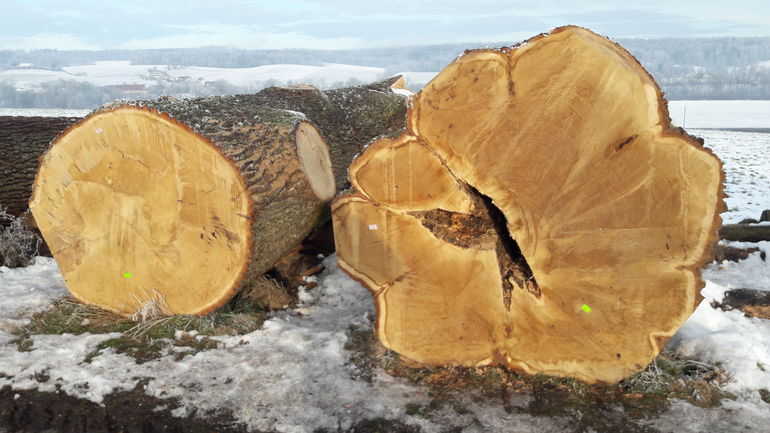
(18, 245)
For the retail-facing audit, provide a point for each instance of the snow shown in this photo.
(720, 114)
(746, 158)
(28, 290)
(751, 273)
(42, 112)
(111, 73)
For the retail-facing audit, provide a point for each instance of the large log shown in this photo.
(137, 205)
(189, 201)
(22, 141)
(745, 232)
(540, 213)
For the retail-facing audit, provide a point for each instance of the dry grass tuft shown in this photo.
(18, 245)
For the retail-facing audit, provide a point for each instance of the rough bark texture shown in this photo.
(349, 118)
(137, 206)
(753, 303)
(540, 213)
(22, 141)
(745, 232)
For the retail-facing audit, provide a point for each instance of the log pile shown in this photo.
(189, 201)
(539, 213)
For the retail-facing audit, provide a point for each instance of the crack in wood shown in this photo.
(514, 269)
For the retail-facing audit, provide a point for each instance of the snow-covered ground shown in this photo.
(746, 158)
(720, 114)
(42, 112)
(112, 73)
(295, 375)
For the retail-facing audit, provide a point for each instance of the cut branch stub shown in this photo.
(540, 213)
(136, 205)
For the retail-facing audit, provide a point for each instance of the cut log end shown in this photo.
(313, 153)
(601, 214)
(134, 206)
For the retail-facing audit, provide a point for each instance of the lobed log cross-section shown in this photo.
(540, 213)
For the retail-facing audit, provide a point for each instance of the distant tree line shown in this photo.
(83, 95)
(693, 68)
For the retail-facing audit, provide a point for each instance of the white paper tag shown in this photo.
(99, 130)
(372, 226)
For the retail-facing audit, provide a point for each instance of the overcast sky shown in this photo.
(97, 24)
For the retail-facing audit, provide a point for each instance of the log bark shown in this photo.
(745, 232)
(349, 118)
(22, 141)
(539, 213)
(184, 201)
(752, 302)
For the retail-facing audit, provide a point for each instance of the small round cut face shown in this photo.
(540, 213)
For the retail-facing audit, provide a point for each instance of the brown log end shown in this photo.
(540, 213)
(137, 207)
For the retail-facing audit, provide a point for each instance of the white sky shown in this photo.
(98, 24)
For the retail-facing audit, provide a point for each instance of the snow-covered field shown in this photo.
(295, 375)
(42, 112)
(112, 73)
(721, 114)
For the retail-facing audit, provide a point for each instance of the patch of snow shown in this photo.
(753, 272)
(112, 73)
(404, 92)
(746, 158)
(43, 112)
(59, 361)
(720, 114)
(741, 345)
(28, 290)
(732, 416)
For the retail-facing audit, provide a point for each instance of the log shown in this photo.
(745, 232)
(138, 205)
(189, 201)
(540, 213)
(22, 141)
(349, 118)
(752, 302)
